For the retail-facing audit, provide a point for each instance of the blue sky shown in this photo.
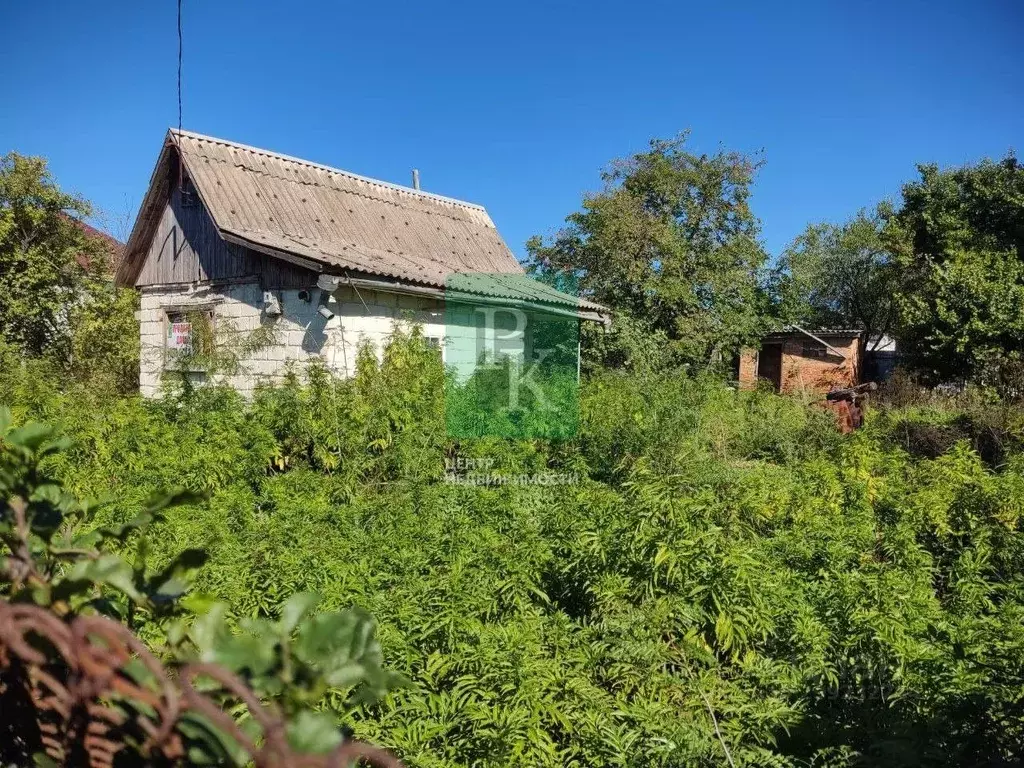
(518, 105)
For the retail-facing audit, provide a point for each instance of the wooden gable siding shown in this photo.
(187, 248)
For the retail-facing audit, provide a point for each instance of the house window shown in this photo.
(435, 342)
(188, 338)
(814, 349)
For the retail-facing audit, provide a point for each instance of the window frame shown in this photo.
(815, 350)
(436, 342)
(169, 361)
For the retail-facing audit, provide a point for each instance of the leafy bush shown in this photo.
(931, 423)
(314, 668)
(58, 301)
(727, 578)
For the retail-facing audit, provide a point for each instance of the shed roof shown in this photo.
(327, 219)
(793, 330)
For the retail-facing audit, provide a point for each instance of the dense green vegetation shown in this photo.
(958, 241)
(727, 575)
(66, 577)
(672, 244)
(700, 576)
(57, 300)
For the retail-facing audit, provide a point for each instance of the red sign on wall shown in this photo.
(179, 335)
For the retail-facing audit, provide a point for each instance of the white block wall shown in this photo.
(300, 333)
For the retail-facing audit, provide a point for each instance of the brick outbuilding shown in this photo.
(799, 360)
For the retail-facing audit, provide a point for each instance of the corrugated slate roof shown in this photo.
(791, 330)
(337, 220)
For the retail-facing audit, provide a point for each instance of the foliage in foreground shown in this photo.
(726, 577)
(314, 667)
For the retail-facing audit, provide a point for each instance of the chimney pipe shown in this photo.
(415, 178)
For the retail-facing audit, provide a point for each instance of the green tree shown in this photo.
(959, 246)
(842, 275)
(58, 298)
(671, 245)
(39, 246)
(105, 338)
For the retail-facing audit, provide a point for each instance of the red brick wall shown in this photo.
(808, 374)
(747, 376)
(812, 374)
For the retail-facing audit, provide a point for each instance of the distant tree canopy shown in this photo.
(842, 276)
(959, 246)
(944, 273)
(39, 243)
(57, 299)
(671, 245)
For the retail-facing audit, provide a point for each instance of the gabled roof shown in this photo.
(335, 222)
(331, 220)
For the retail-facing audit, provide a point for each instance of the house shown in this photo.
(285, 260)
(799, 360)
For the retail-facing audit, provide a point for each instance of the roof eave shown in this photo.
(595, 313)
(130, 267)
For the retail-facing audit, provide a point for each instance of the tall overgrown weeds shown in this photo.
(727, 578)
